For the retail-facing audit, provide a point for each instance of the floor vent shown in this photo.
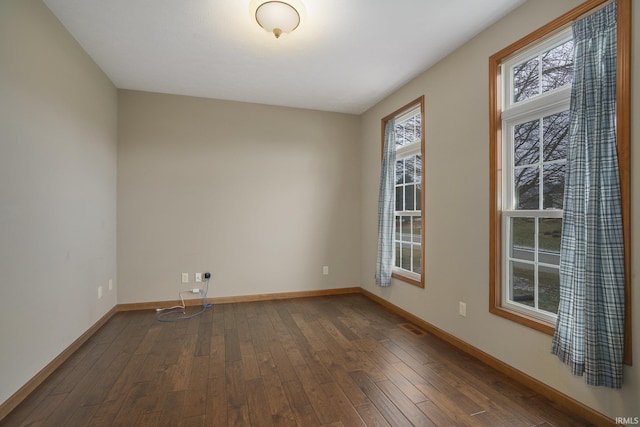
(412, 329)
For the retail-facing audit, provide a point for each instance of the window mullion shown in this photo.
(536, 254)
(540, 165)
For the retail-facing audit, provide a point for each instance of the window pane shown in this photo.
(417, 129)
(406, 229)
(525, 80)
(418, 172)
(417, 259)
(522, 283)
(553, 185)
(550, 230)
(417, 229)
(400, 135)
(398, 229)
(527, 188)
(398, 255)
(557, 67)
(548, 289)
(399, 172)
(399, 198)
(409, 170)
(526, 143)
(408, 131)
(523, 238)
(405, 262)
(555, 131)
(409, 197)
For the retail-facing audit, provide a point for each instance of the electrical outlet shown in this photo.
(198, 277)
(462, 309)
(185, 277)
(110, 284)
(99, 292)
(325, 270)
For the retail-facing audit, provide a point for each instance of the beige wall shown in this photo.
(262, 197)
(457, 211)
(58, 135)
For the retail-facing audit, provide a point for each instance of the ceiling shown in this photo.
(345, 56)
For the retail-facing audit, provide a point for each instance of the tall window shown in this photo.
(409, 177)
(529, 93)
(535, 124)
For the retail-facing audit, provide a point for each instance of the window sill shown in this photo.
(414, 282)
(525, 320)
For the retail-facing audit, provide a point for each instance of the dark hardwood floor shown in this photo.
(323, 361)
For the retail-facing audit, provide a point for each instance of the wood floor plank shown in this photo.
(217, 356)
(343, 379)
(342, 406)
(324, 361)
(258, 405)
(238, 416)
(402, 402)
(182, 371)
(305, 416)
(115, 398)
(449, 400)
(249, 360)
(140, 400)
(310, 333)
(261, 331)
(435, 414)
(216, 409)
(486, 397)
(371, 416)
(388, 410)
(159, 357)
(195, 421)
(172, 408)
(281, 411)
(229, 311)
(149, 339)
(236, 394)
(282, 362)
(45, 410)
(300, 403)
(81, 416)
(203, 344)
(231, 344)
(319, 400)
(195, 402)
(82, 364)
(150, 419)
(199, 372)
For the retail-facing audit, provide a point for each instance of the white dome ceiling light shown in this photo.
(277, 17)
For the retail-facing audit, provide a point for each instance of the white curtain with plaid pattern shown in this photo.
(386, 207)
(589, 335)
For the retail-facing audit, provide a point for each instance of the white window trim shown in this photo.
(532, 52)
(513, 114)
(507, 300)
(405, 151)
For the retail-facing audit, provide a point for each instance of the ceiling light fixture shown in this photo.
(277, 17)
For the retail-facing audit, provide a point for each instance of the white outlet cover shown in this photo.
(110, 284)
(185, 277)
(463, 309)
(99, 292)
